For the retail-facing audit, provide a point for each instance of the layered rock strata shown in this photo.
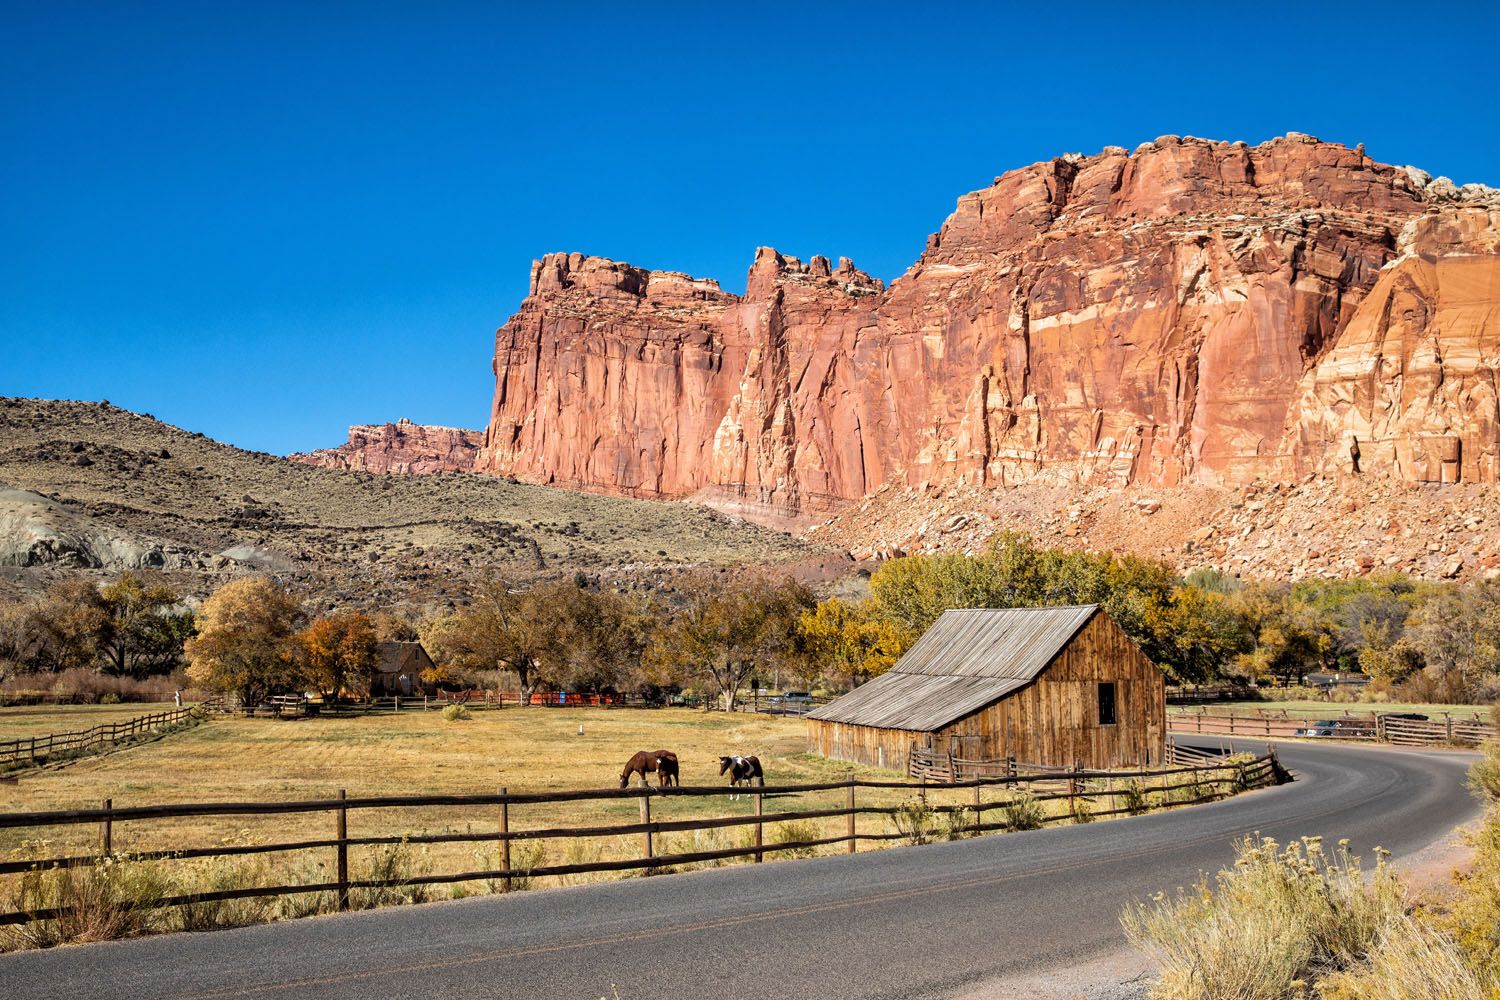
(401, 447)
(1191, 312)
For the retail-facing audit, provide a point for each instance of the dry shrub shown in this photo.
(1413, 961)
(220, 875)
(914, 820)
(1472, 917)
(82, 686)
(457, 713)
(1023, 812)
(581, 851)
(113, 898)
(1262, 930)
(397, 864)
(795, 832)
(957, 823)
(1484, 775)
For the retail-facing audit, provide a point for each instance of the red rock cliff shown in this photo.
(401, 447)
(1191, 312)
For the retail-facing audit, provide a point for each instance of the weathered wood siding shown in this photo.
(1052, 720)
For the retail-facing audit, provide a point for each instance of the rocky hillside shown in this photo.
(90, 486)
(1187, 314)
(1322, 526)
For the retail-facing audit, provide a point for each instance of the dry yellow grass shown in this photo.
(17, 721)
(420, 753)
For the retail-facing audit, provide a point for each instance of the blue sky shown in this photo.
(266, 222)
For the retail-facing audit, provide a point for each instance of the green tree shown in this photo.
(726, 630)
(1284, 640)
(245, 643)
(146, 631)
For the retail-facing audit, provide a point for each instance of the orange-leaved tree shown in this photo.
(338, 653)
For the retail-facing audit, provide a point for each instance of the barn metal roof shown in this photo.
(968, 659)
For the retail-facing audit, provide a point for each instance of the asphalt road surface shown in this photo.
(933, 921)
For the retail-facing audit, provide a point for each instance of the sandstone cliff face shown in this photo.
(401, 447)
(1192, 312)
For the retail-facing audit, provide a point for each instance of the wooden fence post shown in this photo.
(341, 833)
(759, 826)
(646, 822)
(978, 812)
(107, 831)
(505, 837)
(849, 810)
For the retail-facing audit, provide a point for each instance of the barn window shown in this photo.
(1107, 704)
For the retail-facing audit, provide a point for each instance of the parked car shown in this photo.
(794, 702)
(1323, 727)
(1411, 716)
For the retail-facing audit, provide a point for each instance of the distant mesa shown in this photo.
(402, 447)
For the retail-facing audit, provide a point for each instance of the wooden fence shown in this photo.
(30, 750)
(1366, 727)
(1191, 784)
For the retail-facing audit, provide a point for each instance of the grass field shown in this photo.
(1333, 709)
(418, 753)
(523, 750)
(34, 720)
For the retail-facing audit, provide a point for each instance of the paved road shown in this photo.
(910, 922)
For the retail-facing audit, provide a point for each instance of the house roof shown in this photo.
(400, 657)
(968, 659)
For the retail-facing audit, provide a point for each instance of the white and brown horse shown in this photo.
(742, 771)
(663, 762)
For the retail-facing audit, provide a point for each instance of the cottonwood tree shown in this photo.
(598, 638)
(144, 633)
(503, 628)
(846, 637)
(74, 619)
(338, 653)
(727, 630)
(246, 641)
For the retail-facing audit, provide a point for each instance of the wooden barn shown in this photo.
(398, 668)
(1046, 685)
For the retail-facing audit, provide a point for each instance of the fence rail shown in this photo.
(1193, 784)
(31, 750)
(1366, 727)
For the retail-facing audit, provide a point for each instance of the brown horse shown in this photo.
(663, 762)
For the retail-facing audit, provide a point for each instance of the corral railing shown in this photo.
(29, 750)
(1450, 729)
(1080, 789)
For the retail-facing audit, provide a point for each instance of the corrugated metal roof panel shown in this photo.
(968, 659)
